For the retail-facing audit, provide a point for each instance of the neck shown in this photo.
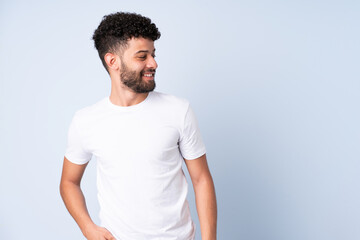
(123, 96)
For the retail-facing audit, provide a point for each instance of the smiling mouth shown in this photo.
(149, 74)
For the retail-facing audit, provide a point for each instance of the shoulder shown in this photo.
(90, 112)
(170, 100)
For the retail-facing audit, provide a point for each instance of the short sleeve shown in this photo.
(75, 151)
(191, 144)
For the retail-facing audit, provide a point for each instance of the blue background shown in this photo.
(275, 86)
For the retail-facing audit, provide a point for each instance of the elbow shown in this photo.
(61, 189)
(204, 179)
(64, 186)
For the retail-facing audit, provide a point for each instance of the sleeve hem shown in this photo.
(77, 161)
(195, 155)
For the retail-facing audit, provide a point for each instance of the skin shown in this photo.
(139, 56)
(204, 196)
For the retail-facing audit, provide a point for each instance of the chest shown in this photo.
(128, 142)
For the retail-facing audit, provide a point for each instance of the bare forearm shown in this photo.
(75, 203)
(206, 207)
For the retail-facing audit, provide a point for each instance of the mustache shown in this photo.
(148, 71)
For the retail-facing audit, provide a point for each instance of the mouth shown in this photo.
(149, 75)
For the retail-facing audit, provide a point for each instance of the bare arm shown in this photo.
(74, 201)
(204, 196)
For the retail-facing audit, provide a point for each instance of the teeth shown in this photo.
(148, 75)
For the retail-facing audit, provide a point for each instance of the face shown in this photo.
(138, 65)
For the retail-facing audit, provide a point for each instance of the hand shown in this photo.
(95, 232)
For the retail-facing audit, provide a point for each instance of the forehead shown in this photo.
(140, 44)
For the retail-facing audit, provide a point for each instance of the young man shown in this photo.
(140, 139)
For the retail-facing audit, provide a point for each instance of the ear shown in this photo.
(112, 61)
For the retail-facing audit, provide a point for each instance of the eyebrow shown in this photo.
(144, 51)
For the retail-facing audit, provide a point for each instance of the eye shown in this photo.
(154, 56)
(142, 57)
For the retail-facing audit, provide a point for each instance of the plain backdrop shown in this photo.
(274, 84)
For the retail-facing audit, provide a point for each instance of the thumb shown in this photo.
(109, 236)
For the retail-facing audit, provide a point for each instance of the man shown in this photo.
(140, 139)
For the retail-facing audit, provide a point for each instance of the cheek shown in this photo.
(138, 66)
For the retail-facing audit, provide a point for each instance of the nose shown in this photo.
(151, 63)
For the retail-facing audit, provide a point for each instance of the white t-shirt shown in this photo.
(139, 150)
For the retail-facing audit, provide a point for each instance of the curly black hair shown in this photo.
(117, 28)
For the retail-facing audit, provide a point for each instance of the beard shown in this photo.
(133, 80)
